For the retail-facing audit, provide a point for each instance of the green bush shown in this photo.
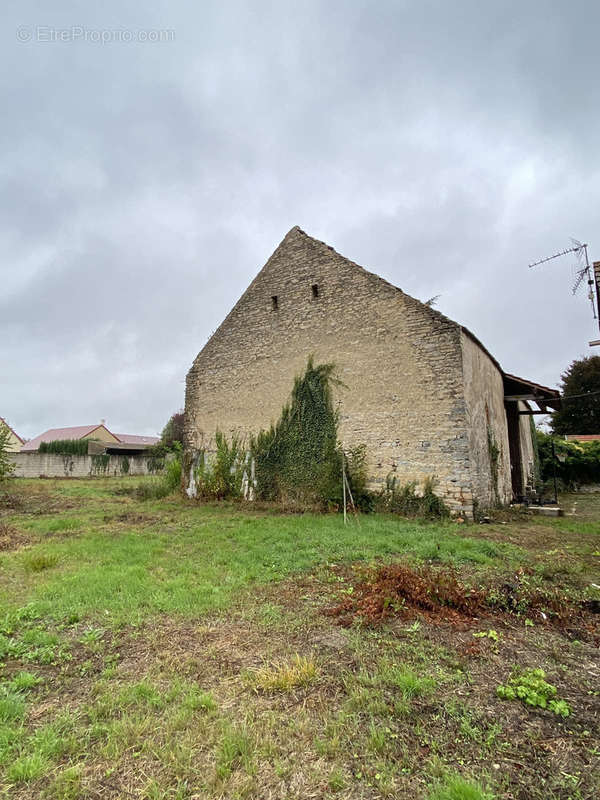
(406, 501)
(575, 463)
(219, 477)
(7, 465)
(172, 476)
(156, 487)
(65, 447)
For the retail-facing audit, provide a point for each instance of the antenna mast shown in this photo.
(583, 271)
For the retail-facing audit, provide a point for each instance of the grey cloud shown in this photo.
(442, 145)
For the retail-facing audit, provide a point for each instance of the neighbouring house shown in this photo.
(101, 439)
(15, 443)
(421, 391)
(584, 437)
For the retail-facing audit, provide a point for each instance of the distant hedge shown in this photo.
(65, 447)
(576, 463)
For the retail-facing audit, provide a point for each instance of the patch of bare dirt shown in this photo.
(133, 518)
(11, 538)
(33, 501)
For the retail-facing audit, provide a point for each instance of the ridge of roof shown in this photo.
(12, 430)
(132, 438)
(71, 432)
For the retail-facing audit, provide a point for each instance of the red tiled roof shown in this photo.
(4, 422)
(56, 434)
(584, 437)
(80, 431)
(130, 438)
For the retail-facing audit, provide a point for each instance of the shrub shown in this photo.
(156, 487)
(172, 476)
(220, 476)
(6, 463)
(299, 460)
(65, 447)
(172, 433)
(575, 463)
(405, 500)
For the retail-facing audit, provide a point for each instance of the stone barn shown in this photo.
(421, 392)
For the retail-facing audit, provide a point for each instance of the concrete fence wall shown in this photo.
(50, 465)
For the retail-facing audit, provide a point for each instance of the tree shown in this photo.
(580, 414)
(7, 465)
(173, 430)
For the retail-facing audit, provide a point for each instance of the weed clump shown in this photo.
(221, 477)
(395, 588)
(531, 687)
(284, 677)
(408, 502)
(236, 750)
(38, 562)
(155, 487)
(454, 787)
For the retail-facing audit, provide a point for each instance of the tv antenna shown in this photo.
(582, 271)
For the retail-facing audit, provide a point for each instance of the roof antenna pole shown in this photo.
(582, 273)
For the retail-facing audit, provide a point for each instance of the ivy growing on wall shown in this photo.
(298, 461)
(100, 464)
(494, 454)
(298, 458)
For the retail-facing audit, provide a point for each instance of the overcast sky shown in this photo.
(443, 145)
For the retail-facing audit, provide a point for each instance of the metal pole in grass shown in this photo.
(352, 500)
(554, 473)
(344, 485)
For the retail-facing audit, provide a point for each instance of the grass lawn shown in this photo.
(162, 649)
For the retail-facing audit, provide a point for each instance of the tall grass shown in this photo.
(156, 487)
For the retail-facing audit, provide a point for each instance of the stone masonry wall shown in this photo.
(486, 422)
(400, 361)
(50, 465)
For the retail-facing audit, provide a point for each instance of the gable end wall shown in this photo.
(401, 363)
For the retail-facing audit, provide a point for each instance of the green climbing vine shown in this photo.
(298, 460)
(494, 454)
(100, 464)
